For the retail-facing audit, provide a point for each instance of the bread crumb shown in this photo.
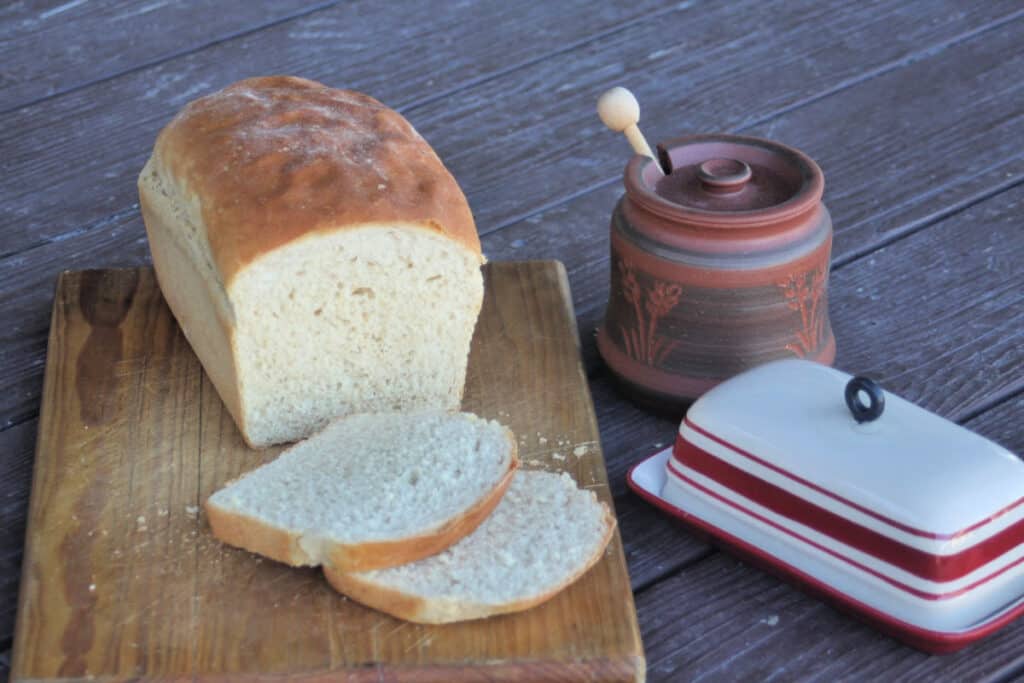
(140, 523)
(534, 463)
(92, 587)
(191, 510)
(579, 451)
(163, 512)
(558, 456)
(542, 441)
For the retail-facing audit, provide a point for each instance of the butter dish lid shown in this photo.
(863, 454)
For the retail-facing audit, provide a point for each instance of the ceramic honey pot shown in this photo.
(720, 253)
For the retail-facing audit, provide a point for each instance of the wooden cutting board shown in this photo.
(122, 579)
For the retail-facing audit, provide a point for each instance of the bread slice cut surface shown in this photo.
(543, 535)
(371, 490)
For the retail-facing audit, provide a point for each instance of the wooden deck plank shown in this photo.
(47, 48)
(742, 624)
(399, 57)
(18, 443)
(579, 244)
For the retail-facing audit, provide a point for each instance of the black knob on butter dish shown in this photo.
(876, 399)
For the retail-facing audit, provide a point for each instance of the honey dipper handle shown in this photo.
(638, 142)
(620, 111)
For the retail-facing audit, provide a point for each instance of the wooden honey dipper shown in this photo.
(620, 111)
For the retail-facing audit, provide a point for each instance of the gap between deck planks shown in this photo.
(30, 346)
(42, 54)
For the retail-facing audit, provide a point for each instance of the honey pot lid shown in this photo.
(726, 179)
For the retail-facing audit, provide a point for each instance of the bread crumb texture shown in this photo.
(542, 534)
(374, 477)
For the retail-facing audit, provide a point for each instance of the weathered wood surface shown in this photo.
(401, 57)
(123, 579)
(501, 134)
(913, 110)
(17, 445)
(43, 54)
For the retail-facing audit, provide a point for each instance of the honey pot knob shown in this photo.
(620, 111)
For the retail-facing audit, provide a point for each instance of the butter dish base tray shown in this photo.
(759, 543)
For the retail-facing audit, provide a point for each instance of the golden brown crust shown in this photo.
(254, 535)
(423, 611)
(274, 158)
(188, 294)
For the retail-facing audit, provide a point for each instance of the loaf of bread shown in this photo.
(543, 535)
(319, 257)
(370, 491)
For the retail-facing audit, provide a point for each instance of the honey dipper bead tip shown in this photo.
(618, 109)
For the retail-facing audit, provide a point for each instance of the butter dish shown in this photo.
(896, 514)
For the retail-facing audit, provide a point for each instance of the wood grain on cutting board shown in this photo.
(122, 579)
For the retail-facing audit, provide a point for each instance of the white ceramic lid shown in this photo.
(909, 474)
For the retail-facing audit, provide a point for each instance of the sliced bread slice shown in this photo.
(371, 490)
(543, 535)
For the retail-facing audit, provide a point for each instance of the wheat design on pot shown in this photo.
(642, 341)
(803, 292)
